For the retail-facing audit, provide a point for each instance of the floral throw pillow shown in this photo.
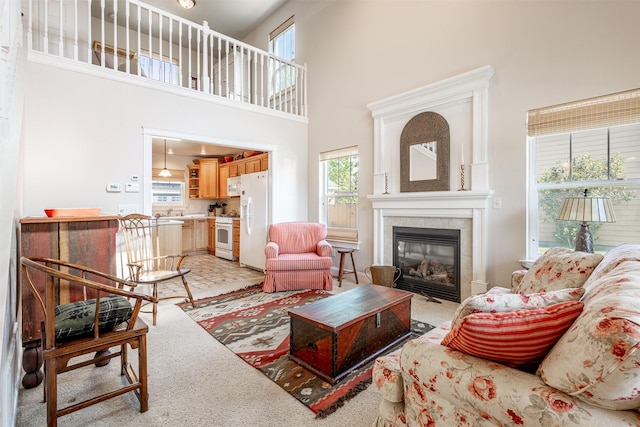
(558, 268)
(493, 302)
(519, 339)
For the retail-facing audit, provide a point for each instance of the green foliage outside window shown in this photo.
(584, 168)
(343, 177)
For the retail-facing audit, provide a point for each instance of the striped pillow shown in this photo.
(519, 339)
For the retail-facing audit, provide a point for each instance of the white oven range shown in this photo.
(224, 238)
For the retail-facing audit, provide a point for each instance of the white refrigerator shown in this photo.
(254, 190)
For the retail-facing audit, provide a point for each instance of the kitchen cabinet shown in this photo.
(208, 179)
(201, 237)
(194, 181)
(258, 163)
(211, 241)
(195, 235)
(223, 174)
(236, 238)
(169, 238)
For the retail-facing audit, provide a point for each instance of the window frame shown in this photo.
(279, 85)
(344, 236)
(592, 115)
(165, 61)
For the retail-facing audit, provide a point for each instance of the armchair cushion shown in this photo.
(309, 261)
(558, 268)
(520, 338)
(76, 319)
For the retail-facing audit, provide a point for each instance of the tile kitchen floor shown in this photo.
(209, 276)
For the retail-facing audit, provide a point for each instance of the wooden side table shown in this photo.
(342, 271)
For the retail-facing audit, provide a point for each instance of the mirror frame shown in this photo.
(425, 127)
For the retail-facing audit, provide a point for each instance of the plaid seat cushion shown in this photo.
(76, 319)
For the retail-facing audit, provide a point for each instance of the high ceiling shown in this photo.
(234, 18)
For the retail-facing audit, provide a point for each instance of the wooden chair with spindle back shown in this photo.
(146, 265)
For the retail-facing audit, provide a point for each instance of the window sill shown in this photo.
(343, 244)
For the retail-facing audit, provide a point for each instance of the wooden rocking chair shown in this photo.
(105, 317)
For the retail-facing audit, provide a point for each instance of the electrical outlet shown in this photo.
(128, 209)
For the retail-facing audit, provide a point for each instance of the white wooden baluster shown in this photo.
(45, 37)
(262, 97)
(170, 50)
(75, 30)
(89, 52)
(60, 31)
(254, 82)
(200, 81)
(160, 19)
(115, 34)
(189, 55)
(150, 53)
(219, 76)
(180, 63)
(206, 82)
(127, 15)
(102, 55)
(212, 72)
(139, 44)
(30, 27)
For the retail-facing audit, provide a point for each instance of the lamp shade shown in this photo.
(587, 209)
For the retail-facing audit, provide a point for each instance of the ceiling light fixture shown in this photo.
(187, 4)
(165, 173)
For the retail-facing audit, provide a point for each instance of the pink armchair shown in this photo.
(298, 257)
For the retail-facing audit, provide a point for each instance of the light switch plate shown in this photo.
(132, 188)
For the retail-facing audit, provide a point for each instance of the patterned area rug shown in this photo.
(255, 326)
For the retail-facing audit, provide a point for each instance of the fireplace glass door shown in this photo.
(429, 260)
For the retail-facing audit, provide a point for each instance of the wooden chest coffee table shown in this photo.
(335, 335)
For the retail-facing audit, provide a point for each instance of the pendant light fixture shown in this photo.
(165, 173)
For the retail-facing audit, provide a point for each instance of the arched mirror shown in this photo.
(424, 154)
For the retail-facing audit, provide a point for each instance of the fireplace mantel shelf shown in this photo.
(430, 196)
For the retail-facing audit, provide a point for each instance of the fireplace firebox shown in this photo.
(429, 259)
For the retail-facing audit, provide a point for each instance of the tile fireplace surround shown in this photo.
(462, 101)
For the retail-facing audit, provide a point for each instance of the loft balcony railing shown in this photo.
(144, 42)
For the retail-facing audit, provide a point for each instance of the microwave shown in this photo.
(233, 186)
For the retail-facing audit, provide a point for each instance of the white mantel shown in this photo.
(463, 101)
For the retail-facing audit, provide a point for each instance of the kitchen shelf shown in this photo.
(194, 181)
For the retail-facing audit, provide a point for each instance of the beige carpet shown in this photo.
(195, 381)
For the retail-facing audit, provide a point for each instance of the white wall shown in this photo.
(542, 52)
(83, 131)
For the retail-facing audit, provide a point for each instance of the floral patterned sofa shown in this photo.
(579, 366)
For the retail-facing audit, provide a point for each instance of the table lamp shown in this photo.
(586, 209)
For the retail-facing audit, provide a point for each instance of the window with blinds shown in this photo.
(589, 144)
(168, 191)
(339, 193)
